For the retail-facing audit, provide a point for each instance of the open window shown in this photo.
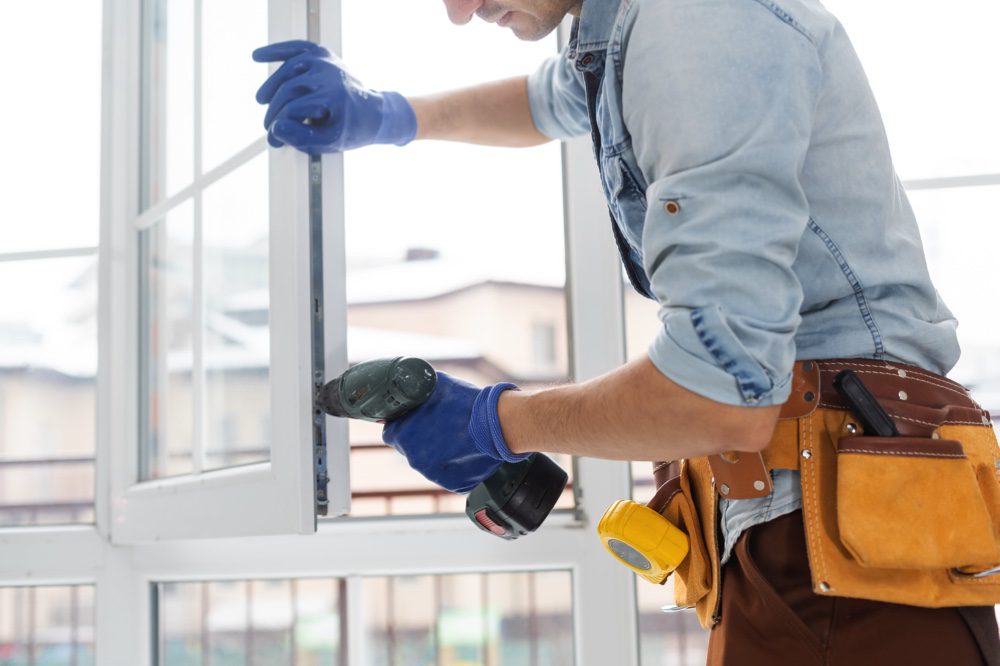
(225, 296)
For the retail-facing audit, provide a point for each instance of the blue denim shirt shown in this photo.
(752, 194)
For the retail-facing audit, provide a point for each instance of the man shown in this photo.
(753, 197)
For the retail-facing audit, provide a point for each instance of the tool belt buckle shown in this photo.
(740, 475)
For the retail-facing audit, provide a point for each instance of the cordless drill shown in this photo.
(512, 502)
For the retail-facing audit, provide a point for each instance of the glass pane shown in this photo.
(932, 84)
(47, 625)
(169, 97)
(500, 619)
(231, 30)
(237, 340)
(251, 623)
(52, 146)
(445, 261)
(48, 365)
(961, 234)
(167, 345)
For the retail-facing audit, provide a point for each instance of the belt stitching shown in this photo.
(905, 453)
(923, 380)
(809, 490)
(842, 408)
(666, 502)
(936, 425)
(910, 370)
(943, 382)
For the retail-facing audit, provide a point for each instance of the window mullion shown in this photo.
(198, 282)
(122, 620)
(157, 211)
(88, 251)
(979, 180)
(198, 342)
(356, 636)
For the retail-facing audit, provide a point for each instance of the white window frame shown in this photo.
(605, 628)
(125, 556)
(275, 497)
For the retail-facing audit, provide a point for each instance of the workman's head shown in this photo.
(529, 20)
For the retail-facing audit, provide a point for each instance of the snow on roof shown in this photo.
(418, 280)
(427, 278)
(68, 350)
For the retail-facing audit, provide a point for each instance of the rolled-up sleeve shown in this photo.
(719, 98)
(558, 99)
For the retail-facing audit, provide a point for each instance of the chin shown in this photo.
(531, 31)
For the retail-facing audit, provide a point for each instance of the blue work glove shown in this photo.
(454, 438)
(317, 107)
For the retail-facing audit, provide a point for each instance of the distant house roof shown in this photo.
(423, 279)
(68, 350)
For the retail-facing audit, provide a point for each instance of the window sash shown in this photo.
(266, 498)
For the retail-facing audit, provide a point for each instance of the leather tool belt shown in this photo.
(911, 519)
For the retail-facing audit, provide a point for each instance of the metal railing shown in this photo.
(57, 511)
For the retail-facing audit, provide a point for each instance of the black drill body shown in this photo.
(512, 502)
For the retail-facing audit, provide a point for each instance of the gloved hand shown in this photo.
(454, 438)
(317, 107)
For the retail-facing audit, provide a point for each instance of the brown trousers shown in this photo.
(771, 616)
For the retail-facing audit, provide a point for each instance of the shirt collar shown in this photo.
(592, 30)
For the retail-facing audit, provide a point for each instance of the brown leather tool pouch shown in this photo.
(905, 520)
(673, 500)
(912, 503)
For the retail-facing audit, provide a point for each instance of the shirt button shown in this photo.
(587, 59)
(672, 207)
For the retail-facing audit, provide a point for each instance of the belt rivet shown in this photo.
(824, 586)
(851, 428)
(807, 454)
(901, 373)
(724, 489)
(807, 366)
(810, 396)
(759, 485)
(902, 395)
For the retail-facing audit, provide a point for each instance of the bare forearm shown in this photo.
(632, 413)
(493, 114)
